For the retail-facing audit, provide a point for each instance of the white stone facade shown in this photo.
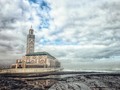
(40, 61)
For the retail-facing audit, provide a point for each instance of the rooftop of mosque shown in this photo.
(39, 54)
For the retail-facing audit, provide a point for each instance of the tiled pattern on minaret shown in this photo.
(30, 41)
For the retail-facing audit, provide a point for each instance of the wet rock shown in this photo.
(89, 83)
(69, 83)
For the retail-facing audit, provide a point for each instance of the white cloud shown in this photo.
(91, 26)
(14, 24)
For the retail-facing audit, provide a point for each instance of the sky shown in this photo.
(81, 34)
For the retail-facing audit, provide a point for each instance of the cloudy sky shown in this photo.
(82, 34)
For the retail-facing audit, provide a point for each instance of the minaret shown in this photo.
(30, 41)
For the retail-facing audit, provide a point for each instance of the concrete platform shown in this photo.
(28, 70)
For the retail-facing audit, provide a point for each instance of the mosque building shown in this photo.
(35, 59)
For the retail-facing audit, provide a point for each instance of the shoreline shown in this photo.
(76, 82)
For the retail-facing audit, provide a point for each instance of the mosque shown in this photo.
(35, 59)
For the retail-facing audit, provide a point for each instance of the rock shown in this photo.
(71, 83)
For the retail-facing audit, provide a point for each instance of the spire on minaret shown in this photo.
(31, 30)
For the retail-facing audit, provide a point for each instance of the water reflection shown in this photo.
(41, 84)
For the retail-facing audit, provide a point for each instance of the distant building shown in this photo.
(35, 59)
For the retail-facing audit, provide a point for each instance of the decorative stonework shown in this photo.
(30, 41)
(43, 61)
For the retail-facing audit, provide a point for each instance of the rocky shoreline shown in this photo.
(77, 82)
(88, 83)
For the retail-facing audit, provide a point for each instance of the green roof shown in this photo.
(39, 53)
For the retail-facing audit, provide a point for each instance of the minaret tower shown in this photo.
(30, 41)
